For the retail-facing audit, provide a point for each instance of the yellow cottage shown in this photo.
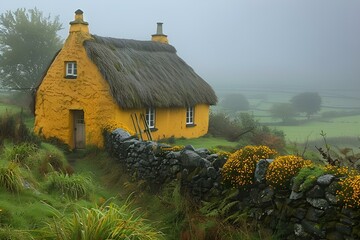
(97, 82)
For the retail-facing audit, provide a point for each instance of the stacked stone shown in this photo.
(198, 170)
(309, 214)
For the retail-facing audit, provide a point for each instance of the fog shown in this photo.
(303, 44)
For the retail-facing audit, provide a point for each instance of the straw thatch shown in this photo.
(147, 74)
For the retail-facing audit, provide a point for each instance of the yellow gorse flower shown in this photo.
(239, 169)
(283, 169)
(349, 193)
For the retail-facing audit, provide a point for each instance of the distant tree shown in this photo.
(283, 111)
(307, 102)
(235, 102)
(28, 41)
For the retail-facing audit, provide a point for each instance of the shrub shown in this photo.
(74, 186)
(10, 178)
(283, 169)
(104, 222)
(340, 171)
(239, 169)
(349, 193)
(220, 125)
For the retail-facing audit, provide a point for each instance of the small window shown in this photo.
(189, 115)
(150, 117)
(71, 70)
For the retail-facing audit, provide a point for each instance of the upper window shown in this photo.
(71, 70)
(189, 115)
(150, 117)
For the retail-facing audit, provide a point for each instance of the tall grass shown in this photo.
(47, 159)
(75, 186)
(8, 233)
(104, 222)
(10, 177)
(18, 153)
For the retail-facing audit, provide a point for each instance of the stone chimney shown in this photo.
(159, 36)
(79, 25)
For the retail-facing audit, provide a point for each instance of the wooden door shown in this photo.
(79, 129)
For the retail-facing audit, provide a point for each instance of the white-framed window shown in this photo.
(71, 69)
(150, 117)
(190, 115)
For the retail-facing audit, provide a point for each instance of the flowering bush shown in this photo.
(340, 171)
(283, 169)
(239, 169)
(349, 193)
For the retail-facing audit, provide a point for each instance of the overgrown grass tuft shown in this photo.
(47, 159)
(18, 153)
(10, 177)
(75, 186)
(104, 222)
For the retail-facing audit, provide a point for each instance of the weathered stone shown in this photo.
(331, 198)
(151, 147)
(343, 228)
(175, 155)
(203, 152)
(346, 220)
(300, 213)
(296, 195)
(190, 159)
(318, 203)
(173, 161)
(316, 192)
(325, 180)
(205, 163)
(260, 170)
(334, 235)
(350, 213)
(312, 228)
(266, 196)
(333, 187)
(144, 163)
(120, 135)
(218, 163)
(189, 147)
(314, 214)
(299, 230)
(175, 169)
(211, 172)
(211, 157)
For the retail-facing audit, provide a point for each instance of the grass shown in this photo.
(336, 127)
(74, 186)
(209, 143)
(104, 222)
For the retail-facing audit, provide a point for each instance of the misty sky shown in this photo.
(294, 43)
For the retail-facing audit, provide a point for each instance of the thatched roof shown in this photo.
(147, 74)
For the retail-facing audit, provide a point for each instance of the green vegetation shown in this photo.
(28, 41)
(307, 176)
(105, 222)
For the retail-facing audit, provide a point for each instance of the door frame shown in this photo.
(78, 129)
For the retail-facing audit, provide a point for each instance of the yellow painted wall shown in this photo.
(57, 96)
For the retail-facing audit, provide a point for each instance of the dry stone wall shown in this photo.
(312, 214)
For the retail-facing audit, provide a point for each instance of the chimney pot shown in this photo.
(159, 29)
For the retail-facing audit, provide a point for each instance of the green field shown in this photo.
(333, 128)
(342, 102)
